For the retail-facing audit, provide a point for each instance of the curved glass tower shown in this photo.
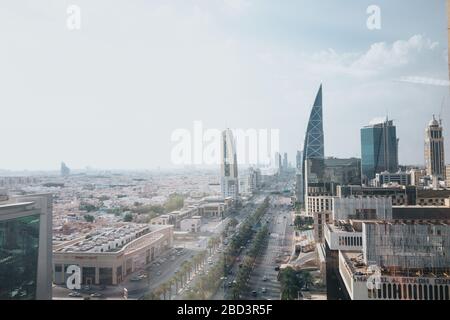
(313, 147)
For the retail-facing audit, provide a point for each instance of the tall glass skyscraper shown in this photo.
(313, 147)
(379, 149)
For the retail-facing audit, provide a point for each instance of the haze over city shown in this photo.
(110, 94)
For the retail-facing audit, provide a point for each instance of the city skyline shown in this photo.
(260, 63)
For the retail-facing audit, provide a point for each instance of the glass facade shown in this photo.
(19, 251)
(379, 149)
(313, 147)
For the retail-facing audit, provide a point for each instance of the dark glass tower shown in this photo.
(313, 147)
(379, 149)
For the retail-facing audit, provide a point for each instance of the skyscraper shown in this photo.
(298, 160)
(313, 147)
(229, 170)
(434, 149)
(65, 170)
(379, 149)
(285, 161)
(26, 248)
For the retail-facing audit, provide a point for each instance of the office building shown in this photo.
(400, 195)
(299, 189)
(362, 208)
(379, 149)
(65, 171)
(434, 149)
(285, 162)
(229, 168)
(343, 171)
(298, 160)
(313, 147)
(416, 176)
(388, 178)
(405, 257)
(26, 247)
(447, 176)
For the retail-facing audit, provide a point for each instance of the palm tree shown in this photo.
(184, 271)
(210, 245)
(168, 286)
(176, 278)
(196, 261)
(307, 278)
(157, 293)
(189, 269)
(152, 296)
(165, 287)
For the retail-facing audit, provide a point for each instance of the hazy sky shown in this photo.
(110, 95)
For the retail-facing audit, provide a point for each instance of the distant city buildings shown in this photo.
(434, 149)
(285, 162)
(417, 176)
(229, 168)
(387, 178)
(379, 149)
(26, 247)
(298, 160)
(65, 171)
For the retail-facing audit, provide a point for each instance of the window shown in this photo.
(19, 251)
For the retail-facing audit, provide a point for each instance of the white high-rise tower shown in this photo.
(229, 170)
(434, 149)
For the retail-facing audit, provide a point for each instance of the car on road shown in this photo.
(254, 293)
(135, 279)
(75, 294)
(158, 273)
(265, 278)
(96, 295)
(263, 290)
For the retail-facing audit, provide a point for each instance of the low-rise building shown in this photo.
(192, 224)
(388, 178)
(106, 256)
